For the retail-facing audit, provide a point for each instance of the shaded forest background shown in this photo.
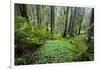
(53, 34)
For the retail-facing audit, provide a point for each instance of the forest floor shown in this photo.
(55, 51)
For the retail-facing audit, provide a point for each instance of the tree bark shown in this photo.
(47, 24)
(23, 10)
(52, 19)
(38, 16)
(70, 30)
(91, 29)
(30, 14)
(17, 10)
(65, 30)
(80, 21)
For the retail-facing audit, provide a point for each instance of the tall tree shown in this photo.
(81, 19)
(47, 21)
(30, 13)
(70, 30)
(91, 26)
(23, 11)
(38, 15)
(68, 21)
(65, 30)
(17, 10)
(52, 19)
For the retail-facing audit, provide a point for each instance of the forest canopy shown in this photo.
(53, 34)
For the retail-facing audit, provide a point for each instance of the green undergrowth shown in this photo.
(58, 51)
(53, 52)
(44, 47)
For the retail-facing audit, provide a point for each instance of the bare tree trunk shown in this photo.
(80, 21)
(70, 31)
(30, 14)
(68, 21)
(38, 16)
(91, 29)
(52, 19)
(47, 24)
(65, 30)
(17, 10)
(23, 10)
(79, 27)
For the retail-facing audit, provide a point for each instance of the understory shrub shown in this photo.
(36, 41)
(23, 60)
(28, 34)
(80, 48)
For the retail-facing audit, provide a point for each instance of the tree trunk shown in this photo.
(47, 24)
(91, 25)
(65, 30)
(23, 10)
(70, 31)
(80, 21)
(79, 27)
(17, 10)
(38, 16)
(52, 19)
(30, 14)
